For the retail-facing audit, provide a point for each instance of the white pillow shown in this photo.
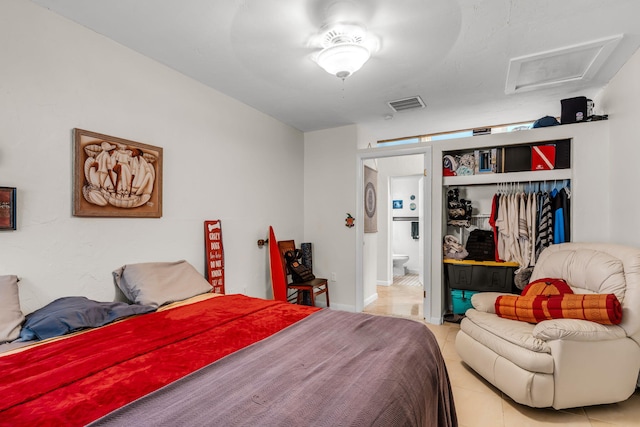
(11, 317)
(159, 283)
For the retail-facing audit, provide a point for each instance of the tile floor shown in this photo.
(478, 403)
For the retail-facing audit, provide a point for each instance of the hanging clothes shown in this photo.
(513, 229)
(532, 216)
(560, 209)
(492, 221)
(563, 209)
(526, 222)
(503, 227)
(558, 217)
(545, 224)
(522, 250)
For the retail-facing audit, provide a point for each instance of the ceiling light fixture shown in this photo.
(346, 48)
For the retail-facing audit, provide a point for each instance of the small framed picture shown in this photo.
(7, 208)
(397, 204)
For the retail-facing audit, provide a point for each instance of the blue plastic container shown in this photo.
(461, 300)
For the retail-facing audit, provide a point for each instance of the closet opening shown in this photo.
(520, 218)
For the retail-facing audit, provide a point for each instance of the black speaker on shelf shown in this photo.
(576, 109)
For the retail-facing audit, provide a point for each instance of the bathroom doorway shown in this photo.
(399, 288)
(404, 223)
(374, 251)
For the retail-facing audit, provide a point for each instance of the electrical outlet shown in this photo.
(333, 277)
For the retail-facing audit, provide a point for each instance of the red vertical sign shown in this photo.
(214, 256)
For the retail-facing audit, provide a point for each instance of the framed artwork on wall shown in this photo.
(7, 208)
(115, 177)
(370, 200)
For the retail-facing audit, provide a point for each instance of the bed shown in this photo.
(233, 360)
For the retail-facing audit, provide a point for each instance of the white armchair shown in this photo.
(562, 363)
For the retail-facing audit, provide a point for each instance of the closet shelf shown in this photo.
(494, 178)
(485, 263)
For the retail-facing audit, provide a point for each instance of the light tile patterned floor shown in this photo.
(478, 403)
(407, 280)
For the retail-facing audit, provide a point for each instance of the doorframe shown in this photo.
(431, 288)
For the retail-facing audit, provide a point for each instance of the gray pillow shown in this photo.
(159, 283)
(11, 316)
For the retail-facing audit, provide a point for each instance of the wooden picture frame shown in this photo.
(115, 177)
(7, 208)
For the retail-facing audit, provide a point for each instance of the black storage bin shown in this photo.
(517, 158)
(480, 277)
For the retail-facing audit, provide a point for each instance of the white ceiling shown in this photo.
(453, 54)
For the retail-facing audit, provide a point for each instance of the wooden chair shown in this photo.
(314, 287)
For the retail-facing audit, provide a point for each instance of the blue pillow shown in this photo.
(70, 314)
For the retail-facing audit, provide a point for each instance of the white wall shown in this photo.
(222, 160)
(329, 194)
(621, 100)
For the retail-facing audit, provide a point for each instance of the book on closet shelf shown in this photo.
(485, 161)
(476, 157)
(494, 160)
(500, 160)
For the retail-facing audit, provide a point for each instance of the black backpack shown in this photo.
(481, 246)
(299, 272)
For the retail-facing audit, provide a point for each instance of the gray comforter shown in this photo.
(330, 369)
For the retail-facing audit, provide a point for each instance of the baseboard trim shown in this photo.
(371, 299)
(436, 320)
(340, 307)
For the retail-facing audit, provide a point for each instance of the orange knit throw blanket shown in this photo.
(547, 299)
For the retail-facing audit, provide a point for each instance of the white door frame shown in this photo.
(376, 153)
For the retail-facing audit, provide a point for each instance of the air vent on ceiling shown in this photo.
(406, 104)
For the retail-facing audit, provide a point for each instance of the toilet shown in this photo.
(398, 264)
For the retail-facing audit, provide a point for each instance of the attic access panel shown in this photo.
(555, 67)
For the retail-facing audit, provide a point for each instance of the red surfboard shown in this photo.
(278, 278)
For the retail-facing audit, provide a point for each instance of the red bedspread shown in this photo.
(64, 383)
